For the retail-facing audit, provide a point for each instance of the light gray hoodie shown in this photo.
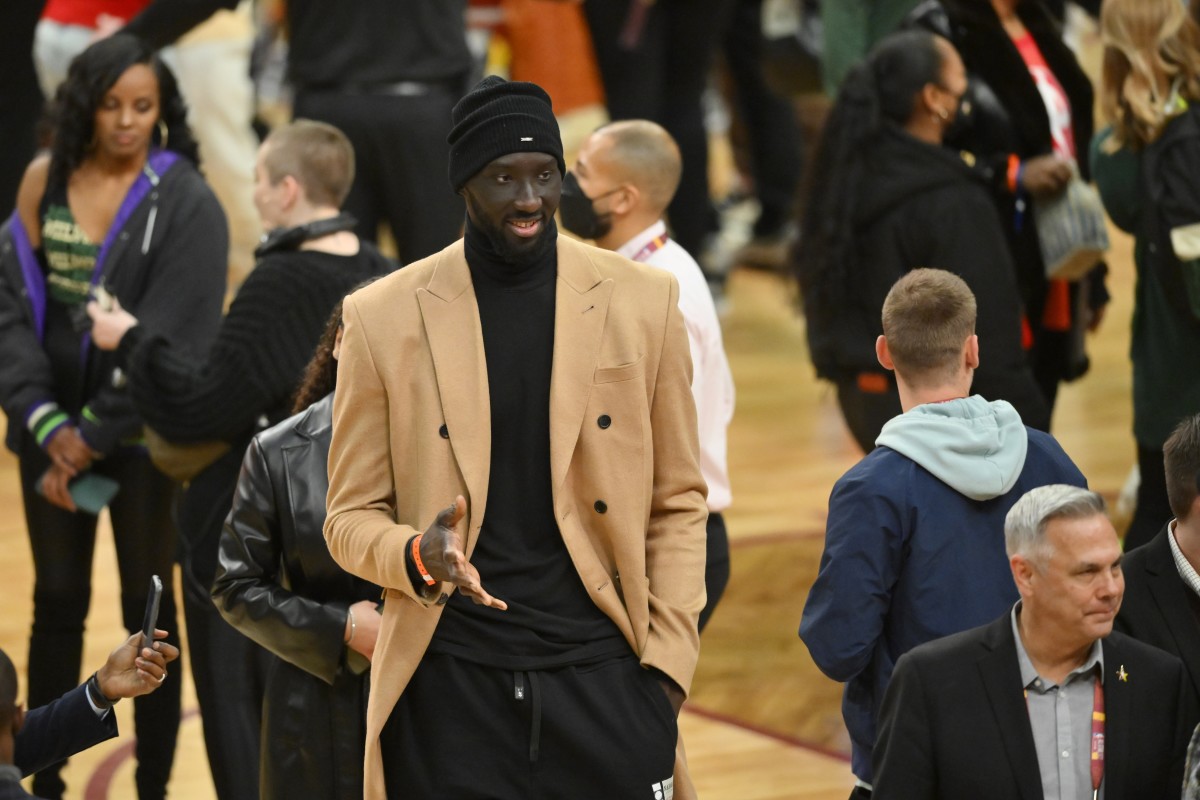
(974, 446)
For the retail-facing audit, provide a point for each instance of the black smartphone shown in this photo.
(151, 618)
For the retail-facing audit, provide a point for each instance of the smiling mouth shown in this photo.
(525, 228)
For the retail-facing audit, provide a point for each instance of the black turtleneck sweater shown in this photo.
(551, 621)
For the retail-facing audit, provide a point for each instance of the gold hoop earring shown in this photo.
(163, 134)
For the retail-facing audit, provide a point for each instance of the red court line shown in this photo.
(101, 780)
(783, 738)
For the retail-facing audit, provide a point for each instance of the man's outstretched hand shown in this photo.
(134, 669)
(444, 559)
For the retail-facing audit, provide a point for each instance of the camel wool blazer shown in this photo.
(412, 429)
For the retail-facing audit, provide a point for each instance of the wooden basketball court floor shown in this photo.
(762, 722)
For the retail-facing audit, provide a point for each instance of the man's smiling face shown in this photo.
(513, 199)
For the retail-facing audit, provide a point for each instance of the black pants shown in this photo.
(229, 670)
(1048, 360)
(771, 127)
(662, 79)
(860, 793)
(20, 97)
(469, 732)
(866, 412)
(716, 567)
(1153, 507)
(401, 159)
(63, 543)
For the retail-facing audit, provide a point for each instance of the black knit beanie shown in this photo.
(499, 117)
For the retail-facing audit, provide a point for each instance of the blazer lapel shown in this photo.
(1170, 595)
(1118, 720)
(451, 317)
(581, 308)
(1002, 681)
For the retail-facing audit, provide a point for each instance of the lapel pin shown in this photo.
(1122, 675)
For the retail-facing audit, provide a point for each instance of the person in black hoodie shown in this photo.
(886, 198)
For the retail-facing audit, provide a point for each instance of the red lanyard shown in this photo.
(1097, 737)
(652, 247)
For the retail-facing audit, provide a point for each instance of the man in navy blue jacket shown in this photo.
(914, 540)
(80, 718)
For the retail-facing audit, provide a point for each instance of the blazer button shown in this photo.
(600, 506)
(444, 432)
(604, 421)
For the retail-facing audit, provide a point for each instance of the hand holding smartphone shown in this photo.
(102, 296)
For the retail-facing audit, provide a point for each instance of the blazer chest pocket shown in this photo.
(623, 372)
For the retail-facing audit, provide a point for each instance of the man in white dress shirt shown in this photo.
(623, 180)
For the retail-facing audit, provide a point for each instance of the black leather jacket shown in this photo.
(278, 585)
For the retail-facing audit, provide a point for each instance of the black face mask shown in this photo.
(579, 213)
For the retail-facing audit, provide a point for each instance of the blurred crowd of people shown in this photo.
(964, 559)
(172, 280)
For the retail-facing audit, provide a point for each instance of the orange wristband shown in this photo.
(416, 557)
(1014, 174)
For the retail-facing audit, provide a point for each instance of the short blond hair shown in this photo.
(927, 317)
(316, 154)
(1144, 39)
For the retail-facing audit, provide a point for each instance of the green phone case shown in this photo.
(91, 492)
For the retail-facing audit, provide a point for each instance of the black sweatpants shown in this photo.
(401, 159)
(63, 543)
(593, 732)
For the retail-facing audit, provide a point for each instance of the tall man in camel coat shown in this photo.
(540, 388)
